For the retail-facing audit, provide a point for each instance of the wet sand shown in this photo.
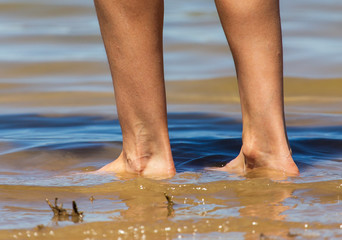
(58, 123)
(137, 209)
(312, 95)
(50, 155)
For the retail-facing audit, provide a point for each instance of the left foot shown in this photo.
(237, 166)
(256, 160)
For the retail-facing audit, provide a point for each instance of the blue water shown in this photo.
(198, 140)
(45, 31)
(58, 124)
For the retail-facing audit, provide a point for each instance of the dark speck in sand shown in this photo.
(170, 203)
(61, 214)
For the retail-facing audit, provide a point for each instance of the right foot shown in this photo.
(151, 167)
(146, 152)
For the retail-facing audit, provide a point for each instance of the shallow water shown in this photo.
(50, 40)
(58, 124)
(52, 156)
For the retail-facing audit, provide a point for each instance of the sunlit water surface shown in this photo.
(54, 157)
(58, 125)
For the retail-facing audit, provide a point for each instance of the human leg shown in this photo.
(253, 31)
(132, 34)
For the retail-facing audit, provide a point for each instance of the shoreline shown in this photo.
(97, 97)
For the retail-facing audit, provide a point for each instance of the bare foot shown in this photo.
(151, 167)
(244, 163)
(237, 165)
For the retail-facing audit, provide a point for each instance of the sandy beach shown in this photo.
(58, 124)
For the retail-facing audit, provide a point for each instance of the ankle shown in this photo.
(268, 138)
(134, 162)
(257, 149)
(261, 149)
(140, 156)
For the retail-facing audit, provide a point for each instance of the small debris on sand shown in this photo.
(39, 227)
(61, 214)
(170, 203)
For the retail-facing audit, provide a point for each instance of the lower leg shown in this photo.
(254, 34)
(132, 34)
